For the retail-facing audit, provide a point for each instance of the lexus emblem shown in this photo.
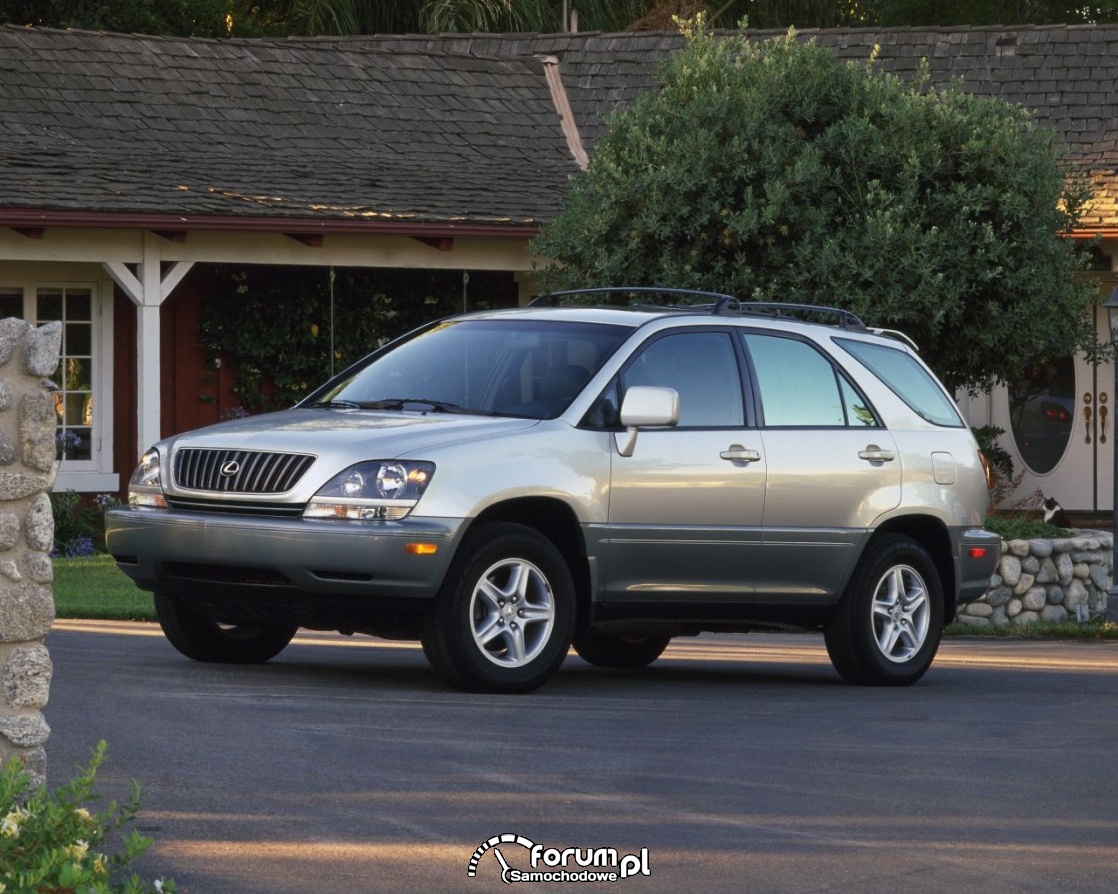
(230, 468)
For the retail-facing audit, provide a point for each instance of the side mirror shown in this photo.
(645, 406)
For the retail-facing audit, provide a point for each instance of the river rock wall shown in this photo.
(28, 422)
(1047, 580)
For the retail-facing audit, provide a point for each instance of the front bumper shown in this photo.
(972, 570)
(169, 549)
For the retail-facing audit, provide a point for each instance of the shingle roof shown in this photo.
(1066, 75)
(430, 129)
(137, 124)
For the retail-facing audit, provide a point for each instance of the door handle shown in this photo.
(738, 454)
(1102, 417)
(874, 454)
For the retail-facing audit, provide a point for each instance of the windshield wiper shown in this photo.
(398, 403)
(335, 405)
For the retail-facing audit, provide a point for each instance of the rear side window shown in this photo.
(908, 379)
(801, 388)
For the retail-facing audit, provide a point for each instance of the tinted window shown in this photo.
(800, 387)
(908, 379)
(530, 368)
(702, 368)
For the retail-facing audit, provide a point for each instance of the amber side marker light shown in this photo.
(987, 469)
(977, 552)
(421, 549)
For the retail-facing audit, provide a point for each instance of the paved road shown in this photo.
(742, 764)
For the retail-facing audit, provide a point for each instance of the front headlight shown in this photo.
(371, 491)
(145, 490)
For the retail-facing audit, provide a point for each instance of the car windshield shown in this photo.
(526, 368)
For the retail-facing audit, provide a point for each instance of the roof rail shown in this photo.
(844, 318)
(896, 334)
(714, 303)
(553, 299)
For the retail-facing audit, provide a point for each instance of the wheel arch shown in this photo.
(932, 534)
(556, 520)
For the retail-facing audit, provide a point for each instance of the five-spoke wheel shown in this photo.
(513, 612)
(902, 613)
(886, 628)
(503, 619)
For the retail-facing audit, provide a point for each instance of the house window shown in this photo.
(73, 401)
(83, 399)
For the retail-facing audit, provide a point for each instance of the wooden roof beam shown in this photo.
(311, 240)
(439, 243)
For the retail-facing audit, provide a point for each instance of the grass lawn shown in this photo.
(92, 587)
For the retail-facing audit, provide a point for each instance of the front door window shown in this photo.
(1042, 413)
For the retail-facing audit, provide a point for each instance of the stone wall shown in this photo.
(27, 468)
(1047, 580)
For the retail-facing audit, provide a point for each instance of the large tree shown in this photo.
(221, 18)
(434, 16)
(181, 18)
(770, 170)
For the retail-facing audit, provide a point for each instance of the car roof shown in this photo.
(708, 307)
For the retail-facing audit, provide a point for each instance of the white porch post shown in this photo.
(147, 290)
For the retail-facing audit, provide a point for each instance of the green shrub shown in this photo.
(51, 843)
(79, 523)
(1015, 528)
(772, 170)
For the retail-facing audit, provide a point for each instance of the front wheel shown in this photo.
(503, 619)
(886, 628)
(617, 650)
(197, 637)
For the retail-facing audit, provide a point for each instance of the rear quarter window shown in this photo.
(907, 378)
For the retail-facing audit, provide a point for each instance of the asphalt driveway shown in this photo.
(737, 764)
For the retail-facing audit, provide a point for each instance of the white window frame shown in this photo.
(96, 474)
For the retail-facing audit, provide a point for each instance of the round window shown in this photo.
(1042, 413)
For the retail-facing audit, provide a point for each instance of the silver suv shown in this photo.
(595, 469)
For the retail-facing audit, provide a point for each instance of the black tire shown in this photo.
(618, 650)
(502, 621)
(886, 628)
(200, 638)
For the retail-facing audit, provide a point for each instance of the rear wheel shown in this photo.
(503, 619)
(197, 637)
(617, 650)
(886, 628)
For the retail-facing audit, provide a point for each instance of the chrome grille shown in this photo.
(239, 471)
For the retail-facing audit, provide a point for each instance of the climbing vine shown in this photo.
(273, 325)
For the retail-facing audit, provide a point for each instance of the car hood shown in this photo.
(360, 434)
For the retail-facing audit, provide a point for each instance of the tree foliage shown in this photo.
(239, 18)
(462, 16)
(436, 16)
(181, 18)
(773, 171)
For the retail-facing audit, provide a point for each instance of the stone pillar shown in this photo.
(27, 468)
